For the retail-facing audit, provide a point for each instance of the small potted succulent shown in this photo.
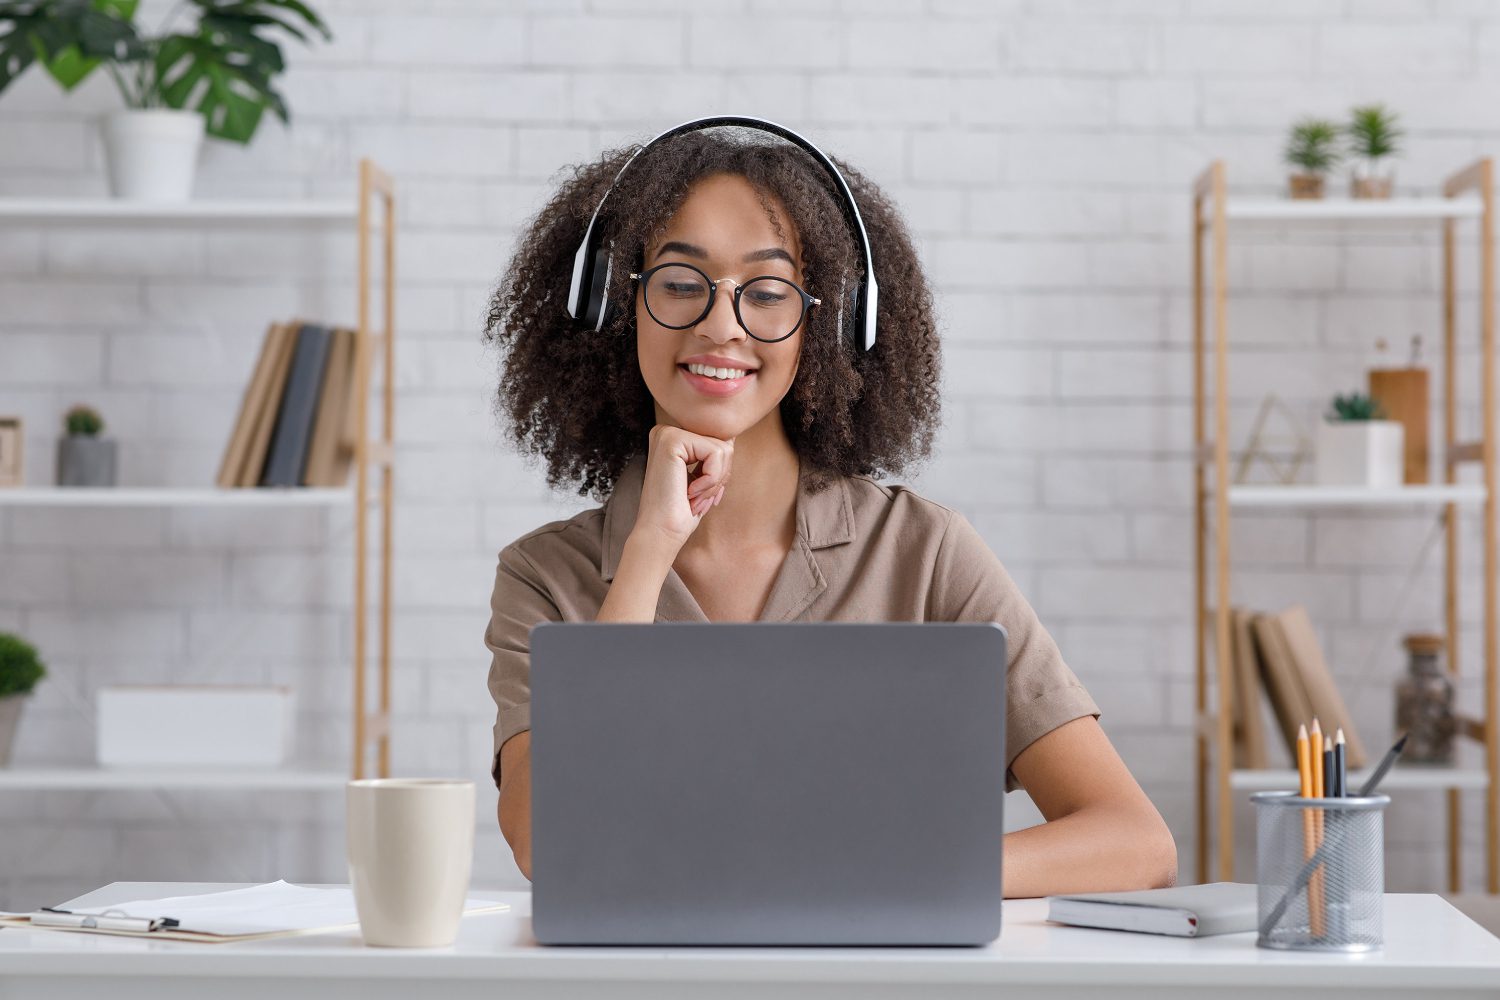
(211, 75)
(20, 669)
(83, 457)
(1357, 446)
(1373, 138)
(1312, 150)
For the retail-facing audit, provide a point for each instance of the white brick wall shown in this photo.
(1041, 152)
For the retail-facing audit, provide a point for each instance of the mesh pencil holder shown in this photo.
(1337, 848)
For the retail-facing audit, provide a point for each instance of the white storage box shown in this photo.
(194, 726)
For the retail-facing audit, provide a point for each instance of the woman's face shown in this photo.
(723, 230)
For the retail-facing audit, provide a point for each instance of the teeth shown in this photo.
(721, 373)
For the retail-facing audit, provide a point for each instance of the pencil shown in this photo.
(1315, 738)
(1305, 790)
(1340, 771)
(1315, 748)
(1330, 776)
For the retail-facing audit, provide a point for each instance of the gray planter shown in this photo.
(85, 461)
(10, 720)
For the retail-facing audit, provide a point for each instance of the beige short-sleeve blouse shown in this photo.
(863, 552)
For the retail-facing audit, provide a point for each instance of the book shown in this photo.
(1180, 910)
(244, 424)
(299, 404)
(323, 459)
(1317, 681)
(1282, 680)
(276, 909)
(1246, 674)
(269, 405)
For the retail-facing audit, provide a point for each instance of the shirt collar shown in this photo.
(823, 519)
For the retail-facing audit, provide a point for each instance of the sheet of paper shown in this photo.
(275, 906)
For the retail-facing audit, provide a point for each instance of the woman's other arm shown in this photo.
(1102, 832)
(632, 597)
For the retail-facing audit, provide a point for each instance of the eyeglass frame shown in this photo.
(808, 300)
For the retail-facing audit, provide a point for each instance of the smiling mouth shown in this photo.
(717, 374)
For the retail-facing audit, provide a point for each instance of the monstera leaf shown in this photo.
(224, 69)
(69, 37)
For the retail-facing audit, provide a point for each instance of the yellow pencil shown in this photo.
(1315, 736)
(1305, 790)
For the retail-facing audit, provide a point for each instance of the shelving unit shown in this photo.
(373, 458)
(1467, 195)
(134, 496)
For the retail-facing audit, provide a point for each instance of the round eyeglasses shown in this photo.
(767, 307)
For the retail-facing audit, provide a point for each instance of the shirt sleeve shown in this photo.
(520, 600)
(1041, 692)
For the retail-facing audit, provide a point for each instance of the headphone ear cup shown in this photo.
(596, 305)
(852, 311)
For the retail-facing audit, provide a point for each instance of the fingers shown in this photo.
(700, 505)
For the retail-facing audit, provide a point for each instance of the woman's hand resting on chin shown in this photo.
(685, 475)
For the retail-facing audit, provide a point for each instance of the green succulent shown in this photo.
(20, 667)
(83, 421)
(1372, 131)
(1355, 406)
(1313, 145)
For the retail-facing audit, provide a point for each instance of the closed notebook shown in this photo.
(1181, 910)
(294, 422)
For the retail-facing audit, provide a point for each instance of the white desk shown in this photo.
(1431, 950)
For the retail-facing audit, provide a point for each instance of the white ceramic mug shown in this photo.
(411, 847)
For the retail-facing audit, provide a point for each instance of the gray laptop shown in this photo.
(767, 784)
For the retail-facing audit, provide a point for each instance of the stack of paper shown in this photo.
(276, 909)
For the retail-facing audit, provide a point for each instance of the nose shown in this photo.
(719, 325)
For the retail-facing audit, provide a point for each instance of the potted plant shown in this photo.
(1312, 149)
(20, 669)
(1373, 136)
(214, 76)
(1357, 447)
(83, 457)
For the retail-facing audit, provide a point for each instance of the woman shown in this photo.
(732, 431)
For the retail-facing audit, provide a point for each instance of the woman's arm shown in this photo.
(514, 808)
(632, 597)
(1102, 832)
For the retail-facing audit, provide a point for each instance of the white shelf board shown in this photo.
(130, 496)
(40, 778)
(257, 210)
(1354, 496)
(1409, 777)
(1350, 209)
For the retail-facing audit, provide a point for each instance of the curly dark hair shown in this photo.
(575, 397)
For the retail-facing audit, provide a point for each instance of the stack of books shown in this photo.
(1280, 654)
(297, 421)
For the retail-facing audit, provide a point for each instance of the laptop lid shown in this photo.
(767, 784)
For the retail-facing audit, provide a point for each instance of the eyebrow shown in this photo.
(693, 250)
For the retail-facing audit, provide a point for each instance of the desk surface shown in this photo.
(1429, 945)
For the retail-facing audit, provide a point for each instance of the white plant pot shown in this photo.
(10, 721)
(1360, 453)
(194, 726)
(152, 154)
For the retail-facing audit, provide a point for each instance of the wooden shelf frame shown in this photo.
(1467, 194)
(374, 454)
(379, 454)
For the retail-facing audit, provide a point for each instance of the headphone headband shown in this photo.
(592, 264)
